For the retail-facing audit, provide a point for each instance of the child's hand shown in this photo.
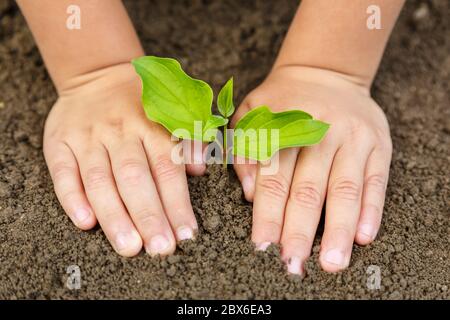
(109, 163)
(349, 168)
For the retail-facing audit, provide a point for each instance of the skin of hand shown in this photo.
(326, 66)
(110, 164)
(348, 169)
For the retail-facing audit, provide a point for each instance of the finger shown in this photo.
(343, 206)
(140, 196)
(271, 194)
(172, 186)
(193, 157)
(108, 207)
(68, 186)
(304, 206)
(375, 182)
(246, 169)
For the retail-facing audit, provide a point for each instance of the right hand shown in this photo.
(110, 164)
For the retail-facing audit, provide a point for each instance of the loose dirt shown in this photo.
(215, 40)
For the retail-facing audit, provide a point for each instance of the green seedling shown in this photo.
(175, 100)
(268, 132)
(179, 102)
(226, 109)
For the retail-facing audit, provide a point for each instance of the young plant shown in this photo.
(177, 101)
(226, 109)
(268, 132)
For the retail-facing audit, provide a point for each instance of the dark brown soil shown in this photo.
(215, 40)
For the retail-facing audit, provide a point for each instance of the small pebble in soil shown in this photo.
(212, 255)
(240, 232)
(410, 164)
(20, 136)
(421, 17)
(421, 13)
(428, 253)
(4, 190)
(212, 224)
(172, 259)
(409, 200)
(429, 186)
(171, 271)
(2, 104)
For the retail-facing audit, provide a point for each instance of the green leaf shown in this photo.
(173, 99)
(225, 99)
(210, 129)
(261, 132)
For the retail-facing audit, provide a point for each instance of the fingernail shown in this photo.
(262, 246)
(294, 265)
(126, 240)
(158, 244)
(81, 214)
(247, 185)
(367, 231)
(185, 233)
(335, 256)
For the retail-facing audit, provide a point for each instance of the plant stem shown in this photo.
(225, 147)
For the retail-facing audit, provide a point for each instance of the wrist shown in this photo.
(99, 80)
(323, 76)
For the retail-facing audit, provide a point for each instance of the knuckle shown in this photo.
(116, 124)
(165, 169)
(273, 225)
(345, 189)
(360, 131)
(111, 214)
(342, 231)
(146, 217)
(276, 187)
(306, 195)
(96, 177)
(61, 170)
(354, 126)
(298, 238)
(131, 171)
(376, 182)
(111, 130)
(252, 99)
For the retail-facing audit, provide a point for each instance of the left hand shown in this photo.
(349, 168)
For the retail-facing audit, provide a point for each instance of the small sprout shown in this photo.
(267, 132)
(226, 108)
(179, 102)
(225, 99)
(174, 99)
